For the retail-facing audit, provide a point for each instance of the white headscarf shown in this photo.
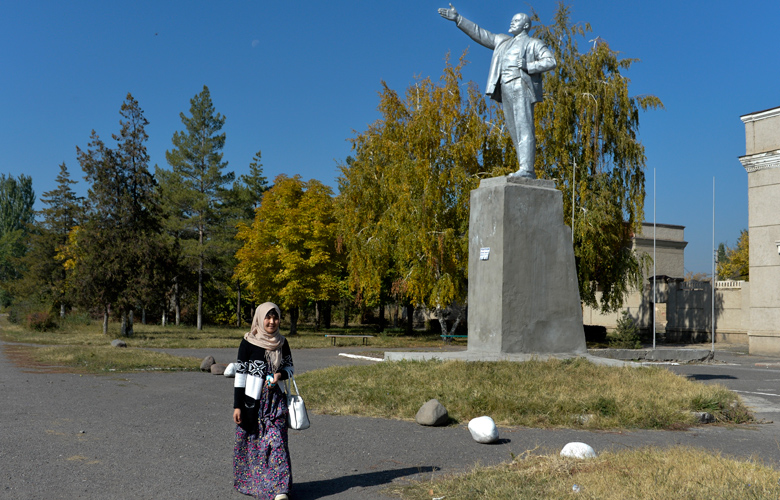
(271, 342)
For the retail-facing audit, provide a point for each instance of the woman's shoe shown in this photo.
(281, 497)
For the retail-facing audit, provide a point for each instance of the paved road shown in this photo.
(755, 378)
(155, 435)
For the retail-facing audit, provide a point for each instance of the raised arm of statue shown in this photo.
(449, 14)
(479, 35)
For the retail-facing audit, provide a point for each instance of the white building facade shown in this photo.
(762, 163)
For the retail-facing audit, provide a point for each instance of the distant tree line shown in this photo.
(193, 243)
(734, 263)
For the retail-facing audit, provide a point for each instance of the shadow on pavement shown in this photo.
(711, 377)
(318, 489)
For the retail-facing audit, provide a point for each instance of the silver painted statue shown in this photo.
(515, 79)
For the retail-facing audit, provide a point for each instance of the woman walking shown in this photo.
(261, 460)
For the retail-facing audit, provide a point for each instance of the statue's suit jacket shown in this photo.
(538, 58)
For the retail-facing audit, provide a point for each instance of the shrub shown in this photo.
(41, 321)
(20, 311)
(14, 315)
(626, 336)
(77, 319)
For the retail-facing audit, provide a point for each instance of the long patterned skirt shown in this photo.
(261, 458)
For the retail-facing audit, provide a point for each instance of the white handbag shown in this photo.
(298, 419)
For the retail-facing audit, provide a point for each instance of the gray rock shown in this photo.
(207, 362)
(218, 369)
(118, 343)
(432, 413)
(703, 417)
(584, 419)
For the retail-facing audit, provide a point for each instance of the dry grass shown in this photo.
(212, 337)
(80, 346)
(573, 394)
(96, 359)
(647, 473)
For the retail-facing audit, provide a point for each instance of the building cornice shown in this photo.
(648, 242)
(760, 115)
(761, 161)
(659, 224)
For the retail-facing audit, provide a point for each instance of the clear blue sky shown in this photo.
(296, 79)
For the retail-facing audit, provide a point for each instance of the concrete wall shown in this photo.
(683, 312)
(689, 313)
(669, 261)
(669, 249)
(732, 318)
(637, 304)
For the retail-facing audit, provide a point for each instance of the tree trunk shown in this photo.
(200, 296)
(382, 317)
(143, 315)
(443, 323)
(238, 305)
(105, 320)
(396, 306)
(317, 315)
(164, 319)
(126, 330)
(294, 312)
(327, 309)
(409, 319)
(176, 302)
(200, 278)
(346, 315)
(62, 310)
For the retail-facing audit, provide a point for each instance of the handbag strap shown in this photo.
(289, 389)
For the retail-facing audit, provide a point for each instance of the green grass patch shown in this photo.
(647, 473)
(572, 393)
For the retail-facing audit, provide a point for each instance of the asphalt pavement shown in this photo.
(170, 435)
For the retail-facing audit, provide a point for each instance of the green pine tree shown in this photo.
(16, 215)
(199, 181)
(119, 257)
(626, 335)
(45, 277)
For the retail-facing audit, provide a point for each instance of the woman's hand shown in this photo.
(272, 381)
(237, 415)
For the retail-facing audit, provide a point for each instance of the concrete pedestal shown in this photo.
(523, 294)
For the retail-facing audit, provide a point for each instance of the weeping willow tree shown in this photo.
(589, 119)
(404, 196)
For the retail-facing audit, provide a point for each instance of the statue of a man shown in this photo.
(515, 79)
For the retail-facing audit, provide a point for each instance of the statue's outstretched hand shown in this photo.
(450, 14)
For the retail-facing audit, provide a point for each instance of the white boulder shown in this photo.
(483, 430)
(578, 450)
